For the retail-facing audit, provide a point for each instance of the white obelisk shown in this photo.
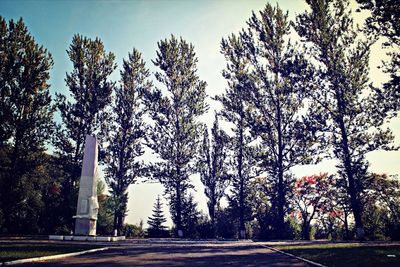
(87, 208)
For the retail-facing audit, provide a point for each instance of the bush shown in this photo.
(204, 228)
(226, 227)
(133, 231)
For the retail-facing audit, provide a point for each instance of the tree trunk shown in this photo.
(212, 215)
(346, 226)
(281, 191)
(306, 231)
(350, 176)
(242, 230)
(115, 225)
(179, 211)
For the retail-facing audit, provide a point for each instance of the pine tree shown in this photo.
(26, 116)
(126, 133)
(213, 167)
(342, 98)
(156, 227)
(175, 134)
(90, 90)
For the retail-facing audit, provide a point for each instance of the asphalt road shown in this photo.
(180, 254)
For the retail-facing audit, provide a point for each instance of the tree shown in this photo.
(311, 198)
(342, 98)
(126, 133)
(277, 77)
(175, 134)
(156, 227)
(26, 116)
(90, 91)
(385, 21)
(190, 214)
(234, 111)
(381, 201)
(213, 167)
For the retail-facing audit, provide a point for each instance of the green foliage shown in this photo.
(156, 227)
(26, 126)
(226, 227)
(273, 76)
(385, 21)
(213, 167)
(105, 216)
(345, 104)
(90, 92)
(175, 134)
(311, 199)
(133, 231)
(126, 131)
(205, 229)
(190, 215)
(241, 155)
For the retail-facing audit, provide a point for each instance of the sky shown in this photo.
(122, 25)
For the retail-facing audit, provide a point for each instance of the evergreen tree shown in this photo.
(90, 91)
(175, 134)
(156, 227)
(342, 98)
(213, 167)
(26, 126)
(126, 133)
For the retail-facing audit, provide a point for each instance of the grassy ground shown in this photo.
(347, 254)
(9, 252)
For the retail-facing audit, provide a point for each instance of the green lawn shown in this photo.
(9, 252)
(346, 254)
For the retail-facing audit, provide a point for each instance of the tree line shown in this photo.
(287, 103)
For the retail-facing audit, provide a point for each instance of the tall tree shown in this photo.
(277, 77)
(234, 111)
(156, 227)
(126, 133)
(385, 21)
(190, 214)
(26, 116)
(90, 92)
(213, 167)
(175, 135)
(344, 101)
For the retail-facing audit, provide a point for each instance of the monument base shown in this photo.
(85, 226)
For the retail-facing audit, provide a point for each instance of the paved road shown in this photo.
(180, 254)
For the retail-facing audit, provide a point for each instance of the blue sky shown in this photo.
(122, 25)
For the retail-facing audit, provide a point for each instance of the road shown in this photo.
(180, 254)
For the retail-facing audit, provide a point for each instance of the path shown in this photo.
(180, 254)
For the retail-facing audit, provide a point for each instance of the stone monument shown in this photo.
(87, 208)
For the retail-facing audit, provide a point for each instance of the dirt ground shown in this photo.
(182, 253)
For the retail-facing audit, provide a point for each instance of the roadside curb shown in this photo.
(52, 257)
(294, 256)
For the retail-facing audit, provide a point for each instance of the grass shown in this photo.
(346, 254)
(10, 252)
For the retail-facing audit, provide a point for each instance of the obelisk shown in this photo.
(87, 208)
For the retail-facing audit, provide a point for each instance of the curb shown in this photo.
(52, 257)
(294, 256)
